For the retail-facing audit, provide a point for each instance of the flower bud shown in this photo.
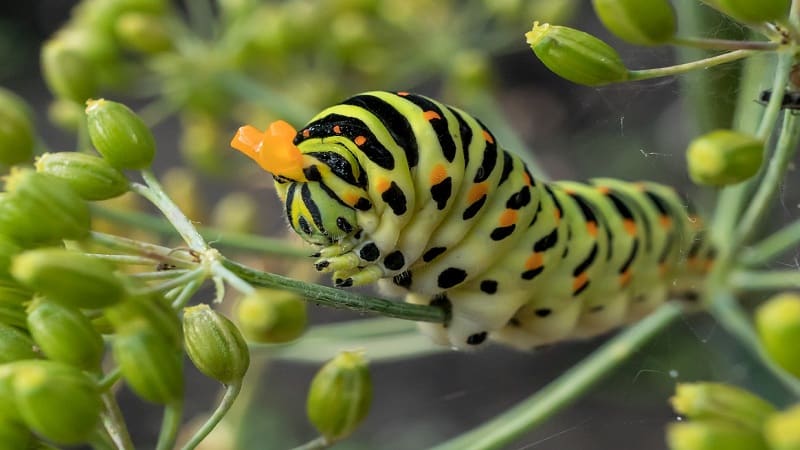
(778, 324)
(41, 209)
(119, 135)
(722, 403)
(340, 395)
(151, 311)
(237, 212)
(68, 277)
(16, 134)
(150, 364)
(576, 56)
(12, 309)
(643, 23)
(57, 401)
(723, 157)
(90, 176)
(782, 430)
(753, 11)
(146, 33)
(14, 434)
(710, 435)
(271, 315)
(15, 345)
(65, 334)
(214, 344)
(67, 73)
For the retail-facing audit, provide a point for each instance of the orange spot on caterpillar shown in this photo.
(337, 129)
(508, 217)
(534, 261)
(625, 278)
(382, 184)
(438, 174)
(580, 281)
(351, 198)
(557, 214)
(431, 115)
(665, 220)
(591, 227)
(360, 140)
(306, 133)
(630, 227)
(526, 178)
(402, 93)
(640, 186)
(476, 192)
(603, 189)
(272, 149)
(488, 137)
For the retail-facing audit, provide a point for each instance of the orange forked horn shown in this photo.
(272, 149)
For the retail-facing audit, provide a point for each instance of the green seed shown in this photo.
(67, 72)
(65, 334)
(753, 11)
(778, 324)
(119, 135)
(214, 344)
(150, 364)
(722, 403)
(723, 157)
(650, 22)
(90, 176)
(272, 315)
(709, 435)
(15, 345)
(16, 129)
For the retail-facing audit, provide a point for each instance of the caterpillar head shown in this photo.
(311, 192)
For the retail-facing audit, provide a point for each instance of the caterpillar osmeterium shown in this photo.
(401, 189)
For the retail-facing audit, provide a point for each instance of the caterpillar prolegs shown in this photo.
(404, 190)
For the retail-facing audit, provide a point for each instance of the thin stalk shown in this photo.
(170, 424)
(124, 259)
(159, 275)
(192, 275)
(155, 193)
(109, 379)
(317, 350)
(154, 251)
(218, 269)
(186, 294)
(231, 392)
(705, 63)
(773, 280)
(567, 388)
(337, 298)
(772, 246)
(723, 44)
(114, 423)
(315, 444)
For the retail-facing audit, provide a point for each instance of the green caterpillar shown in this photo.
(401, 189)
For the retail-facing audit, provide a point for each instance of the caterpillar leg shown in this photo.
(360, 277)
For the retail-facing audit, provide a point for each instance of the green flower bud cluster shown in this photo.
(723, 157)
(271, 316)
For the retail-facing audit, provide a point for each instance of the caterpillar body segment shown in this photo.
(401, 189)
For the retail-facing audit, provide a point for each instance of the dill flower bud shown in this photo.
(576, 56)
(151, 311)
(710, 435)
(150, 364)
(119, 135)
(41, 209)
(16, 133)
(753, 11)
(67, 72)
(782, 430)
(56, 401)
(12, 299)
(65, 334)
(90, 176)
(778, 324)
(15, 345)
(7, 251)
(723, 157)
(214, 344)
(722, 403)
(271, 315)
(142, 32)
(639, 22)
(340, 395)
(68, 277)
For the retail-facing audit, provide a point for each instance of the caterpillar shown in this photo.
(415, 194)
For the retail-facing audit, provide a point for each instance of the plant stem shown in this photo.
(218, 269)
(772, 246)
(124, 259)
(645, 74)
(159, 198)
(109, 379)
(315, 444)
(561, 392)
(187, 292)
(192, 275)
(776, 170)
(159, 275)
(338, 298)
(114, 423)
(170, 424)
(772, 280)
(231, 392)
(723, 44)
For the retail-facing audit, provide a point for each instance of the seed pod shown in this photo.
(8, 249)
(67, 72)
(90, 176)
(146, 33)
(16, 134)
(13, 298)
(119, 135)
(778, 324)
(723, 157)
(271, 315)
(576, 56)
(782, 430)
(214, 344)
(41, 209)
(150, 364)
(722, 403)
(151, 311)
(642, 23)
(753, 11)
(15, 345)
(56, 400)
(65, 334)
(340, 395)
(14, 434)
(710, 435)
(68, 277)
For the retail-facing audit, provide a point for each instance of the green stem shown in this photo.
(124, 259)
(159, 275)
(218, 269)
(261, 94)
(776, 170)
(315, 444)
(226, 239)
(772, 246)
(317, 350)
(170, 424)
(705, 63)
(731, 316)
(109, 379)
(114, 423)
(187, 291)
(723, 44)
(159, 198)
(560, 393)
(337, 298)
(772, 280)
(192, 275)
(231, 392)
